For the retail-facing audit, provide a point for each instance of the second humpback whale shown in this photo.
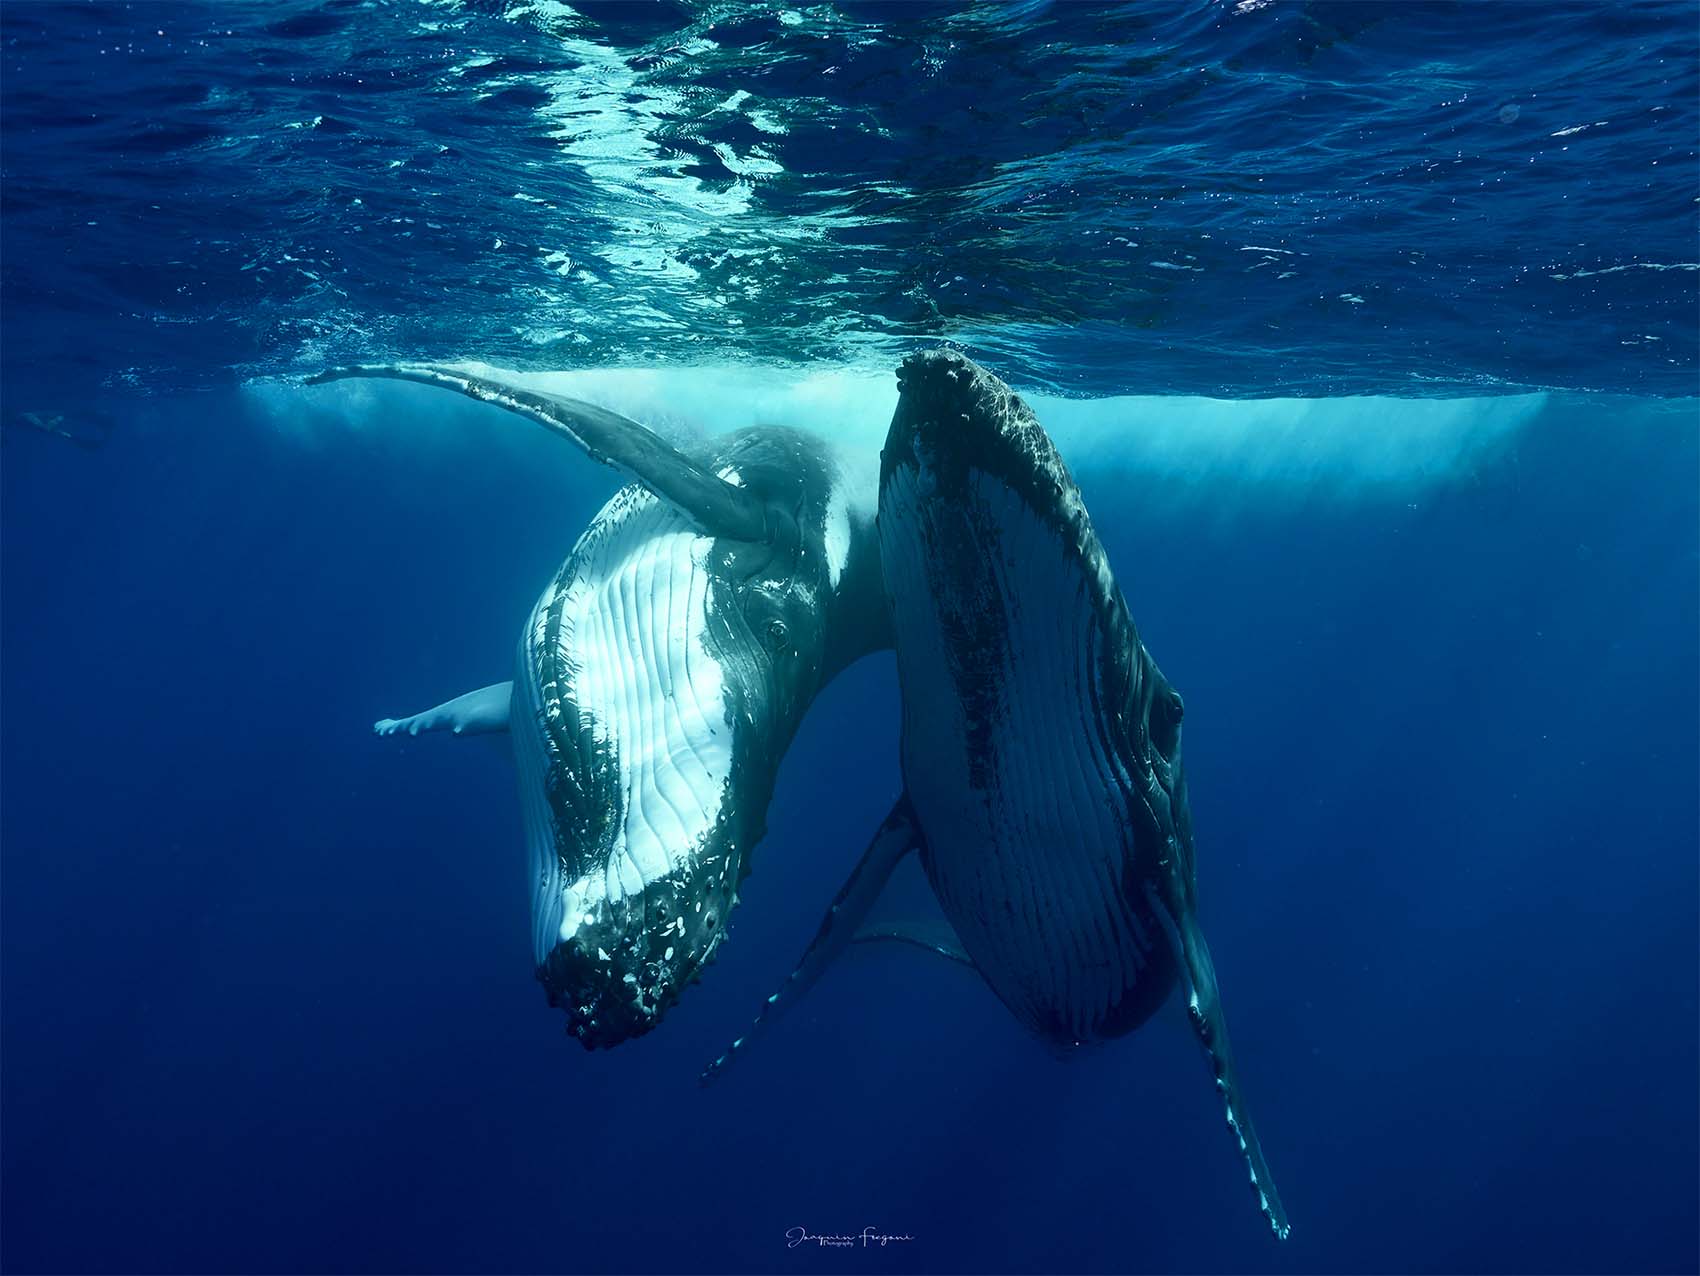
(1041, 744)
(657, 684)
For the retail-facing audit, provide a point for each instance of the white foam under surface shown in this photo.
(1331, 447)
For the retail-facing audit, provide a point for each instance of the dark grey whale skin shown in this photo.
(965, 463)
(780, 629)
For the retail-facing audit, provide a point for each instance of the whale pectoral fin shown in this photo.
(478, 712)
(908, 913)
(929, 936)
(717, 507)
(897, 836)
(1204, 1009)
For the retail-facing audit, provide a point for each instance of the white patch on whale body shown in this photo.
(837, 533)
(634, 617)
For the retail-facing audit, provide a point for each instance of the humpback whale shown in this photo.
(1041, 745)
(657, 684)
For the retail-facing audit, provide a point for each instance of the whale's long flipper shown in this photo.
(478, 712)
(928, 936)
(1204, 1008)
(896, 837)
(717, 507)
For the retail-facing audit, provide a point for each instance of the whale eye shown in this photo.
(776, 634)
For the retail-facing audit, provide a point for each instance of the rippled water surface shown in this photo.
(1219, 198)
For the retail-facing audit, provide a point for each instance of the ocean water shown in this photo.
(1370, 333)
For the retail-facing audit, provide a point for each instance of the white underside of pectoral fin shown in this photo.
(480, 712)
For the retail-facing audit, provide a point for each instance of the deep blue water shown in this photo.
(265, 989)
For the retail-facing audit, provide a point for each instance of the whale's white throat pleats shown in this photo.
(625, 705)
